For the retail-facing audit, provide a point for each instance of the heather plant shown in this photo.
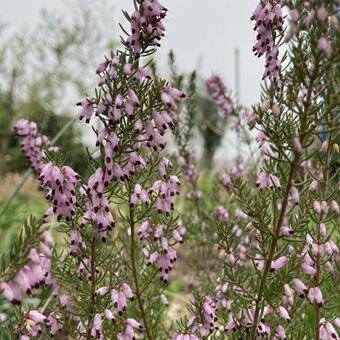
(198, 119)
(118, 224)
(279, 274)
(204, 191)
(263, 235)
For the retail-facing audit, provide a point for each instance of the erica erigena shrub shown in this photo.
(278, 236)
(217, 91)
(119, 222)
(272, 236)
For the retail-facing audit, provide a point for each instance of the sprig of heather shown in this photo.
(277, 237)
(218, 92)
(36, 273)
(269, 28)
(118, 273)
(33, 144)
(144, 116)
(282, 205)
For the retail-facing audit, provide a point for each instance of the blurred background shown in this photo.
(49, 50)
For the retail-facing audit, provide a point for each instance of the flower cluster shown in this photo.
(125, 109)
(221, 214)
(164, 239)
(265, 180)
(189, 167)
(133, 114)
(120, 297)
(237, 256)
(321, 250)
(236, 171)
(32, 143)
(268, 19)
(218, 92)
(146, 26)
(202, 322)
(33, 322)
(129, 333)
(165, 191)
(61, 183)
(54, 324)
(35, 274)
(77, 243)
(121, 113)
(97, 209)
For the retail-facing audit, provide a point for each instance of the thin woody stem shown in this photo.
(93, 286)
(135, 275)
(276, 235)
(272, 249)
(318, 256)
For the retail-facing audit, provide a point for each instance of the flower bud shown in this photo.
(331, 331)
(315, 296)
(337, 322)
(280, 331)
(335, 207)
(262, 180)
(309, 239)
(329, 268)
(109, 315)
(322, 13)
(297, 145)
(324, 147)
(334, 22)
(291, 33)
(283, 313)
(336, 148)
(276, 110)
(294, 195)
(288, 294)
(322, 229)
(164, 300)
(278, 263)
(325, 46)
(300, 287)
(308, 269)
(324, 207)
(317, 207)
(265, 106)
(36, 316)
(318, 249)
(313, 186)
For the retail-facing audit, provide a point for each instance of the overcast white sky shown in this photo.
(202, 33)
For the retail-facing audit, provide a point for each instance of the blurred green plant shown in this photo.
(38, 71)
(23, 205)
(198, 118)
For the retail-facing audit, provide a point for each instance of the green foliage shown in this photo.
(11, 221)
(14, 258)
(234, 253)
(16, 254)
